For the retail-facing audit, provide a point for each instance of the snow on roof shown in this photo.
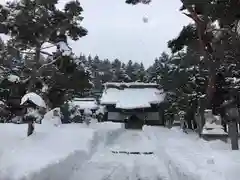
(131, 84)
(84, 99)
(36, 99)
(132, 98)
(85, 103)
(13, 78)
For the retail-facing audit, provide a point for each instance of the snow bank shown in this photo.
(22, 156)
(188, 157)
(51, 152)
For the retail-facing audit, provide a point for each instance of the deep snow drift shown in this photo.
(24, 157)
(51, 152)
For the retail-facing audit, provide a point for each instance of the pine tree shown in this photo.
(32, 24)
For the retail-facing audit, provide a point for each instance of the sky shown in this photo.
(117, 30)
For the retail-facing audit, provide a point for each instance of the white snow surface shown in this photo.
(188, 157)
(131, 98)
(213, 128)
(213, 125)
(219, 131)
(51, 152)
(36, 99)
(13, 78)
(77, 151)
(30, 158)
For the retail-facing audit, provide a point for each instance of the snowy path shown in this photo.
(106, 165)
(106, 151)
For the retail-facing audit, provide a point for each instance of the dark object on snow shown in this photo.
(130, 153)
(133, 122)
(65, 113)
(30, 128)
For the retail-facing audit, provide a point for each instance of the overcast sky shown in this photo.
(116, 30)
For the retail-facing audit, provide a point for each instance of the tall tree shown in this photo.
(33, 24)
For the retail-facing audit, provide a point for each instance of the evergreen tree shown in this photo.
(31, 24)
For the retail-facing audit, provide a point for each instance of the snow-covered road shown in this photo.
(131, 156)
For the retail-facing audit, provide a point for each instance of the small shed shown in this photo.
(124, 101)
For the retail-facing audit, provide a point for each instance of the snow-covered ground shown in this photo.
(107, 151)
(113, 162)
(28, 157)
(188, 157)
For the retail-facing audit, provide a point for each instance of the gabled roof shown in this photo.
(131, 95)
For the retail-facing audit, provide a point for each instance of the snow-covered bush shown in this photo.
(3, 112)
(100, 113)
(76, 115)
(17, 120)
(65, 110)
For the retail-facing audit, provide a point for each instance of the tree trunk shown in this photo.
(202, 106)
(233, 134)
(194, 124)
(208, 53)
(224, 127)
